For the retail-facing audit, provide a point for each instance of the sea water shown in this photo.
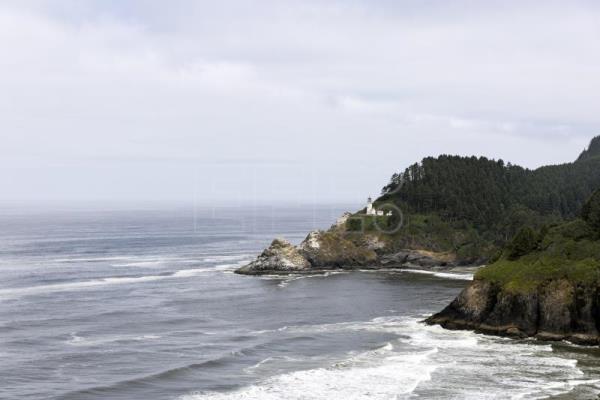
(143, 304)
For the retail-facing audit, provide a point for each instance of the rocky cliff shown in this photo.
(546, 285)
(318, 252)
(280, 256)
(555, 310)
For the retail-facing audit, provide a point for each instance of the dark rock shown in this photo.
(417, 258)
(518, 310)
(555, 310)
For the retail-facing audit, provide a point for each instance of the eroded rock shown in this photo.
(555, 310)
(418, 258)
(280, 256)
(319, 251)
(334, 250)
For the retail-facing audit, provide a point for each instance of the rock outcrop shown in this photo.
(340, 223)
(334, 249)
(318, 252)
(280, 256)
(557, 309)
(418, 259)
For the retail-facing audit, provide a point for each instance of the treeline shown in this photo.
(492, 196)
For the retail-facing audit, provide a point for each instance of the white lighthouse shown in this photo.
(370, 209)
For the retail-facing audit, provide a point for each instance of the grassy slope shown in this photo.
(570, 250)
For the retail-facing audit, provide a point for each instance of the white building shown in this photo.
(372, 211)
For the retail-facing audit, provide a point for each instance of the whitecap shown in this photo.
(185, 273)
(286, 280)
(224, 267)
(232, 257)
(79, 341)
(447, 275)
(149, 263)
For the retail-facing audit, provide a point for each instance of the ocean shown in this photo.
(143, 304)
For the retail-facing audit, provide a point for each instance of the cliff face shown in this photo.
(546, 284)
(554, 310)
(333, 250)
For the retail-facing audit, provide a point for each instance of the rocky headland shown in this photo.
(442, 212)
(330, 250)
(554, 310)
(545, 285)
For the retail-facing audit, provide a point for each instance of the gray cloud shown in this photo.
(144, 100)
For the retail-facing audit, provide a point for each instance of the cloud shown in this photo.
(355, 88)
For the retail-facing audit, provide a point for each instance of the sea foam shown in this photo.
(420, 363)
(447, 275)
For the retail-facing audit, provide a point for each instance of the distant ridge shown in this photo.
(593, 150)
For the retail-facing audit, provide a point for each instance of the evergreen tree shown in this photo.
(523, 243)
(591, 211)
(593, 150)
(485, 192)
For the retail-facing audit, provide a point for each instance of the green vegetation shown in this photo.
(593, 150)
(473, 206)
(370, 223)
(485, 191)
(523, 243)
(570, 250)
(591, 211)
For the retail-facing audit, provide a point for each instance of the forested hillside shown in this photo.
(544, 284)
(492, 197)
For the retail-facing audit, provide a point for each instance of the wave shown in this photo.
(447, 275)
(142, 381)
(91, 259)
(116, 280)
(233, 257)
(285, 280)
(369, 375)
(421, 362)
(126, 261)
(254, 369)
(76, 340)
(150, 261)
(182, 260)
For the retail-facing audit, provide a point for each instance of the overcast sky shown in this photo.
(283, 101)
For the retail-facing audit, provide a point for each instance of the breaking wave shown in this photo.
(447, 275)
(420, 363)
